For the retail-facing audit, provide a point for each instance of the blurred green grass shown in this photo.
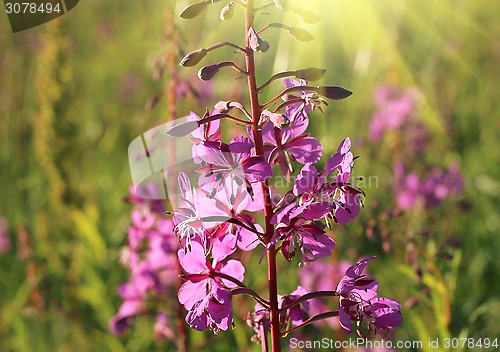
(71, 100)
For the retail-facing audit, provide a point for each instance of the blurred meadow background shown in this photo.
(76, 91)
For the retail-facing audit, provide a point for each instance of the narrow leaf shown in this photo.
(281, 4)
(310, 74)
(227, 11)
(306, 15)
(300, 34)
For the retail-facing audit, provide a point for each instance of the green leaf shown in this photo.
(306, 15)
(300, 34)
(86, 227)
(310, 74)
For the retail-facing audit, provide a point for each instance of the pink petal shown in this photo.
(223, 247)
(345, 321)
(306, 180)
(241, 145)
(305, 149)
(192, 292)
(256, 169)
(221, 310)
(193, 261)
(248, 240)
(235, 269)
(196, 317)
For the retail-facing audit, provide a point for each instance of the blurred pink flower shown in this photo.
(322, 276)
(5, 244)
(433, 188)
(394, 108)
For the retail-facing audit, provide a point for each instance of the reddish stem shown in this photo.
(313, 319)
(263, 338)
(268, 212)
(182, 340)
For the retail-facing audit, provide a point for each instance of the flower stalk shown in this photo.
(256, 111)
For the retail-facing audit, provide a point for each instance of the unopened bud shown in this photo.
(194, 10)
(278, 120)
(256, 43)
(223, 106)
(334, 92)
(249, 319)
(193, 57)
(207, 72)
(310, 74)
(264, 46)
(227, 11)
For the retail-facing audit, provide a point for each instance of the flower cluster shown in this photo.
(431, 190)
(150, 257)
(395, 106)
(213, 218)
(359, 302)
(396, 109)
(218, 204)
(206, 295)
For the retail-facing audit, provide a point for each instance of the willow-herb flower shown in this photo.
(205, 296)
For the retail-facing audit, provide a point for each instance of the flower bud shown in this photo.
(223, 106)
(264, 46)
(194, 10)
(193, 57)
(256, 43)
(310, 74)
(333, 92)
(208, 72)
(227, 11)
(278, 120)
(300, 34)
